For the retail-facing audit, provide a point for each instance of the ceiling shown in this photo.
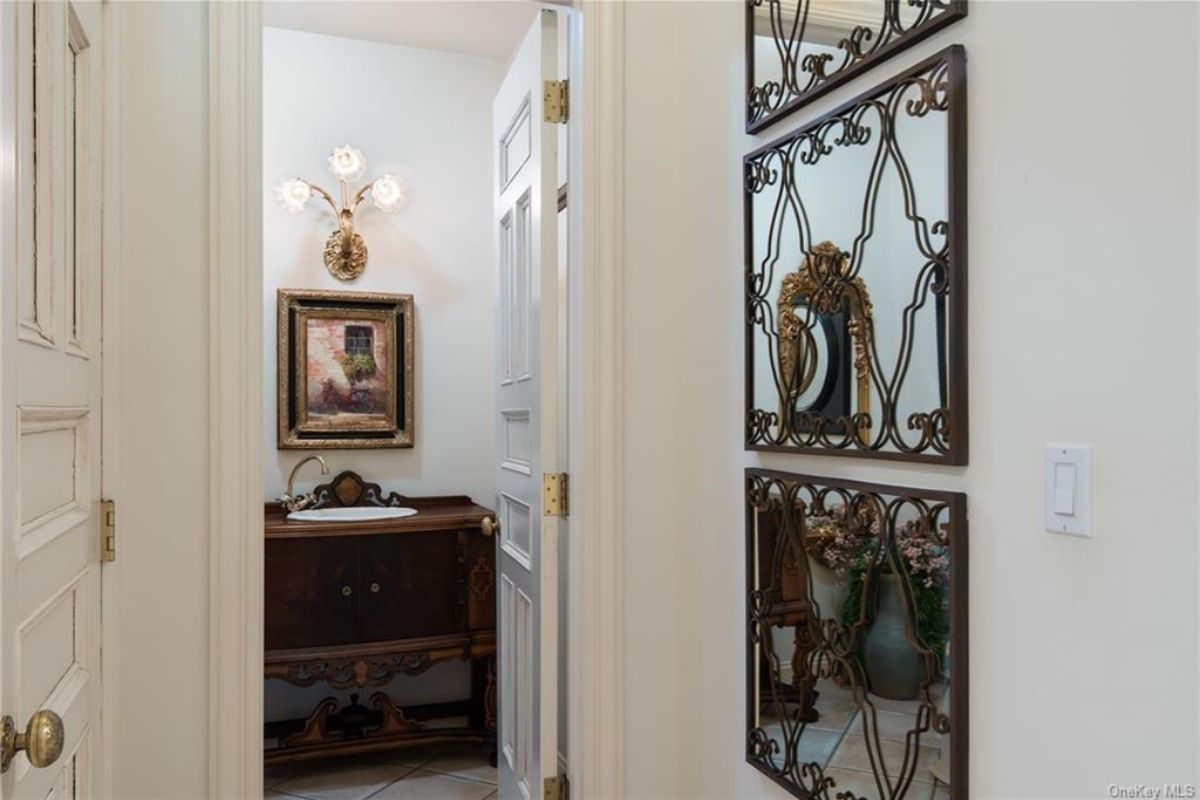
(487, 28)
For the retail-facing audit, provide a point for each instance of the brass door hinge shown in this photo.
(554, 494)
(108, 530)
(555, 97)
(557, 788)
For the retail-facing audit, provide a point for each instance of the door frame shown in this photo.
(595, 696)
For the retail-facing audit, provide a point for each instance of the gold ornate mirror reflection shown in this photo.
(856, 638)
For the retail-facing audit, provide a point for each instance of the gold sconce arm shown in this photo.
(359, 195)
(326, 195)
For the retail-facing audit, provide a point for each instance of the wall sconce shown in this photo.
(345, 251)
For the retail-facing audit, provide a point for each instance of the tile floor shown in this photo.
(440, 773)
(837, 743)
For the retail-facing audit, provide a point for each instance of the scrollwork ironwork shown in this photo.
(845, 723)
(797, 50)
(784, 182)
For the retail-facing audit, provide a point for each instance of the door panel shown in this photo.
(50, 385)
(527, 365)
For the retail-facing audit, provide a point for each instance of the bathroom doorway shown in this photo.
(396, 298)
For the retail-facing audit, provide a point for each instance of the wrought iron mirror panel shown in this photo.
(855, 242)
(856, 648)
(797, 50)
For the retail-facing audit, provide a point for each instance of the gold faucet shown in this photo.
(294, 502)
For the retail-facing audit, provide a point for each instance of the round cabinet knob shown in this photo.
(374, 588)
(42, 740)
(347, 591)
(489, 526)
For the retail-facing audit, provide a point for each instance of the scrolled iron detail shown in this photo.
(786, 72)
(912, 537)
(886, 415)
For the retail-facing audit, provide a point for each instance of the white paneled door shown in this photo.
(50, 382)
(527, 407)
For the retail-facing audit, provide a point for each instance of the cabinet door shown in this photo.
(409, 585)
(312, 592)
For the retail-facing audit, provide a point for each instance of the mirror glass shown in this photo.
(852, 277)
(853, 637)
(800, 49)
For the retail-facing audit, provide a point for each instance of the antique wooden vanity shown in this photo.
(356, 603)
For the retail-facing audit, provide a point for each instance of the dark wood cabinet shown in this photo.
(355, 604)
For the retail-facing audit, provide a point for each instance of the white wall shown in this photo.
(426, 115)
(1083, 291)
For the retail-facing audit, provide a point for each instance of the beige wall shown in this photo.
(1083, 292)
(1083, 209)
(159, 673)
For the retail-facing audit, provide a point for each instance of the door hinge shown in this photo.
(554, 494)
(555, 97)
(108, 530)
(557, 788)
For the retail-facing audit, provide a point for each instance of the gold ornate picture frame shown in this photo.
(345, 369)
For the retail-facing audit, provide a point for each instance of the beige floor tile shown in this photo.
(834, 716)
(464, 763)
(342, 779)
(273, 775)
(862, 785)
(813, 745)
(411, 756)
(894, 726)
(271, 794)
(852, 754)
(422, 785)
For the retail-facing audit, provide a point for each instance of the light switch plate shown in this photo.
(1067, 502)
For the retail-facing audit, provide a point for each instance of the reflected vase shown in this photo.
(894, 668)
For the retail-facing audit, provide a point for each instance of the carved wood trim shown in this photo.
(349, 489)
(351, 672)
(394, 718)
(482, 578)
(314, 727)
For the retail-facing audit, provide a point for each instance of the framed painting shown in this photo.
(345, 369)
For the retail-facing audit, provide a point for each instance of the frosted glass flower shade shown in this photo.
(347, 163)
(293, 194)
(390, 193)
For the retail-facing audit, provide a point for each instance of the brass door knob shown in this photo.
(489, 526)
(42, 740)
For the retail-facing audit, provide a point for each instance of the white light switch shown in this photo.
(1068, 500)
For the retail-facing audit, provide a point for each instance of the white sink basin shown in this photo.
(350, 514)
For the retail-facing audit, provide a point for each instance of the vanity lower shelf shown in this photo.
(356, 604)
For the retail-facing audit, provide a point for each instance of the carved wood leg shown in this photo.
(484, 670)
(802, 680)
(314, 727)
(394, 718)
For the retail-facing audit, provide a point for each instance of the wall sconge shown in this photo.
(345, 251)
